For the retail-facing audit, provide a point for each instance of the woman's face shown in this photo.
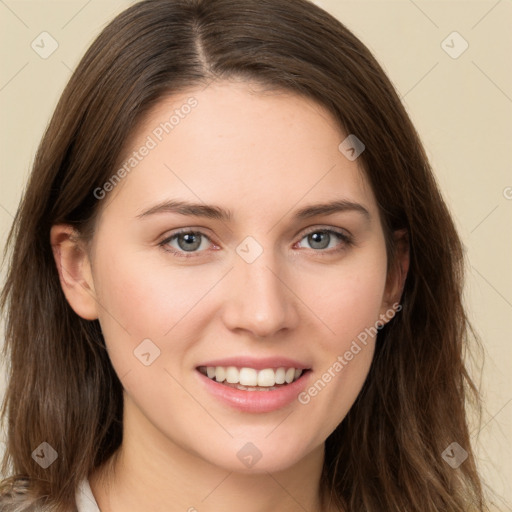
(262, 279)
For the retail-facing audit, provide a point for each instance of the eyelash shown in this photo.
(346, 242)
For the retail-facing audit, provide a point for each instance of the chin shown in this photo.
(258, 456)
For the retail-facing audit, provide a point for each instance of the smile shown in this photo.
(251, 379)
(254, 384)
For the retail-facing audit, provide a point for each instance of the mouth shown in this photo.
(252, 379)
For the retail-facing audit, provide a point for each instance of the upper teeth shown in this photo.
(251, 377)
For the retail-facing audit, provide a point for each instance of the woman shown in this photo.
(234, 281)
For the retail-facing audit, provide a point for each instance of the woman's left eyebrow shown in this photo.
(219, 213)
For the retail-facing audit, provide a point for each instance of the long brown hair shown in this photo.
(387, 453)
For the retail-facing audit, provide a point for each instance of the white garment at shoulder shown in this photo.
(85, 501)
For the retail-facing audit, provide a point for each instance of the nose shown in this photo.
(260, 300)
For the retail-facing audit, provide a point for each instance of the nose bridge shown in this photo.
(260, 302)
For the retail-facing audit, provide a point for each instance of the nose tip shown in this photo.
(259, 302)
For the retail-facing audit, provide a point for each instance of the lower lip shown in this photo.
(255, 401)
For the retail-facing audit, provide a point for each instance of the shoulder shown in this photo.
(85, 500)
(20, 502)
(16, 495)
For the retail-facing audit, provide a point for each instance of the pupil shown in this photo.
(318, 239)
(190, 242)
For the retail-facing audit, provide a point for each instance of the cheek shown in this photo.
(350, 299)
(143, 298)
(349, 313)
(147, 296)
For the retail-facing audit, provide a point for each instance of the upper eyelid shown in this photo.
(314, 229)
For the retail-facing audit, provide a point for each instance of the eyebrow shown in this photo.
(218, 213)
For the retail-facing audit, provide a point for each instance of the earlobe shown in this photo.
(399, 269)
(74, 270)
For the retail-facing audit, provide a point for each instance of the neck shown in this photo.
(153, 473)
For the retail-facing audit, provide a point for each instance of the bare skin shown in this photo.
(263, 157)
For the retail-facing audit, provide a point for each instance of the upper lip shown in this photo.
(257, 363)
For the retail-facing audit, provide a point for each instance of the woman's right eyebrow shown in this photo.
(219, 213)
(188, 208)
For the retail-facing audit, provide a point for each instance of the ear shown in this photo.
(398, 270)
(74, 269)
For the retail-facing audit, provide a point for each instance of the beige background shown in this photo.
(461, 106)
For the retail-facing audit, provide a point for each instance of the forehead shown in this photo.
(237, 144)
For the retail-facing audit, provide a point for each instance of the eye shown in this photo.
(321, 239)
(185, 242)
(188, 243)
